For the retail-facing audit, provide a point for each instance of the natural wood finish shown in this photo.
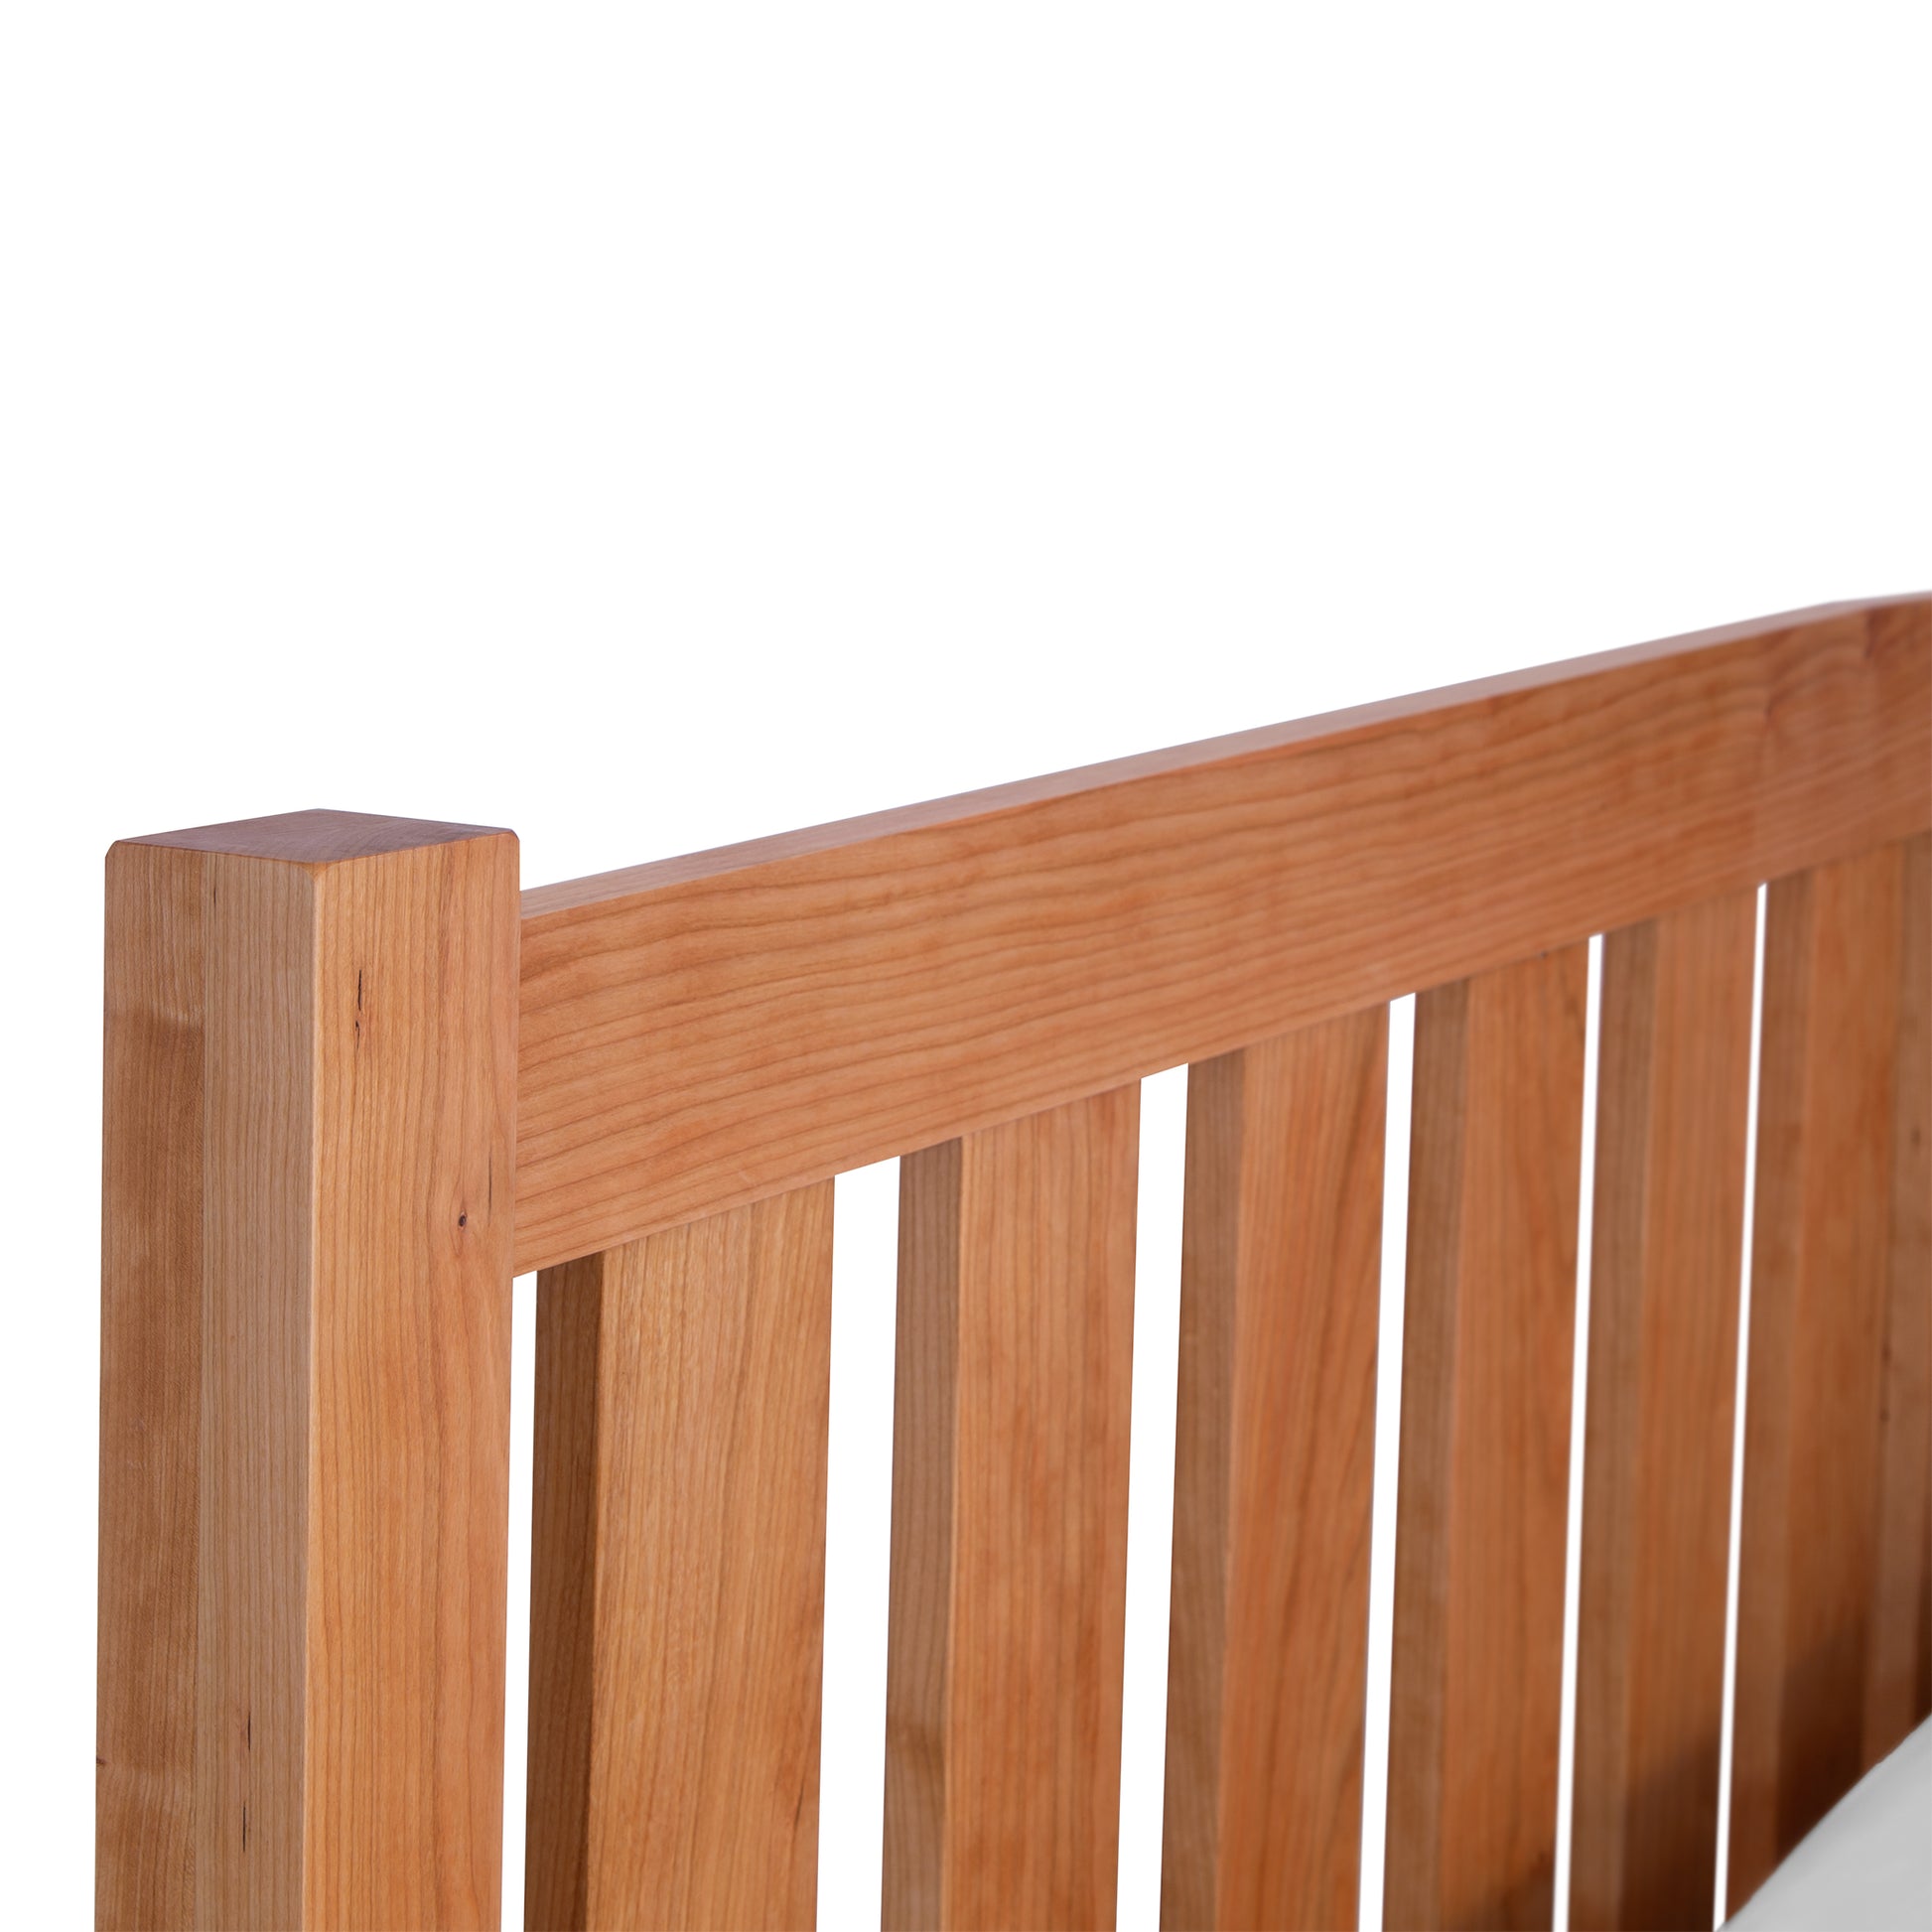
(315, 838)
(919, 1622)
(313, 1089)
(305, 1386)
(678, 1576)
(1267, 1651)
(150, 1393)
(1813, 1430)
(1673, 1107)
(1483, 1488)
(1899, 1682)
(567, 1516)
(708, 1031)
(1010, 1523)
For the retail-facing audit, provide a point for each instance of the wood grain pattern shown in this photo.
(566, 1522)
(1267, 1656)
(1483, 1488)
(314, 837)
(1010, 1523)
(678, 1576)
(1814, 1430)
(309, 1153)
(708, 1031)
(1673, 1105)
(919, 1620)
(260, 1299)
(150, 1394)
(1899, 1682)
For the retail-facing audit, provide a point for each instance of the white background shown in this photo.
(648, 430)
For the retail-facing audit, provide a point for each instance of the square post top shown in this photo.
(318, 838)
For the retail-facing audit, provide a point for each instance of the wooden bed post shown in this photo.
(309, 1137)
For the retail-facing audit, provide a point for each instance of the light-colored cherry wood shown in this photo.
(678, 1576)
(708, 1031)
(1673, 1107)
(567, 1517)
(1274, 1469)
(313, 1096)
(1898, 1683)
(1484, 1487)
(150, 1393)
(919, 1620)
(1010, 1522)
(305, 1413)
(1814, 1433)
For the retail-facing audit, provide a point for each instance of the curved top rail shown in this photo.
(705, 1030)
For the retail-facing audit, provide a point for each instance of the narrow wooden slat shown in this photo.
(1673, 1104)
(1899, 1684)
(1010, 1522)
(305, 1418)
(678, 1576)
(566, 1522)
(711, 1030)
(925, 1386)
(1281, 1267)
(1815, 1437)
(1483, 1489)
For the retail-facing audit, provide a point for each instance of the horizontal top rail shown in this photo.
(706, 1031)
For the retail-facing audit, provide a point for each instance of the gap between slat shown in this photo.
(858, 1544)
(1579, 1419)
(1150, 1495)
(1388, 1443)
(1722, 1873)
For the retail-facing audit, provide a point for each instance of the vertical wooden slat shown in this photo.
(1811, 1609)
(926, 1382)
(1010, 1522)
(679, 1575)
(1273, 1472)
(1487, 1353)
(566, 1520)
(1899, 1684)
(305, 1422)
(1673, 1101)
